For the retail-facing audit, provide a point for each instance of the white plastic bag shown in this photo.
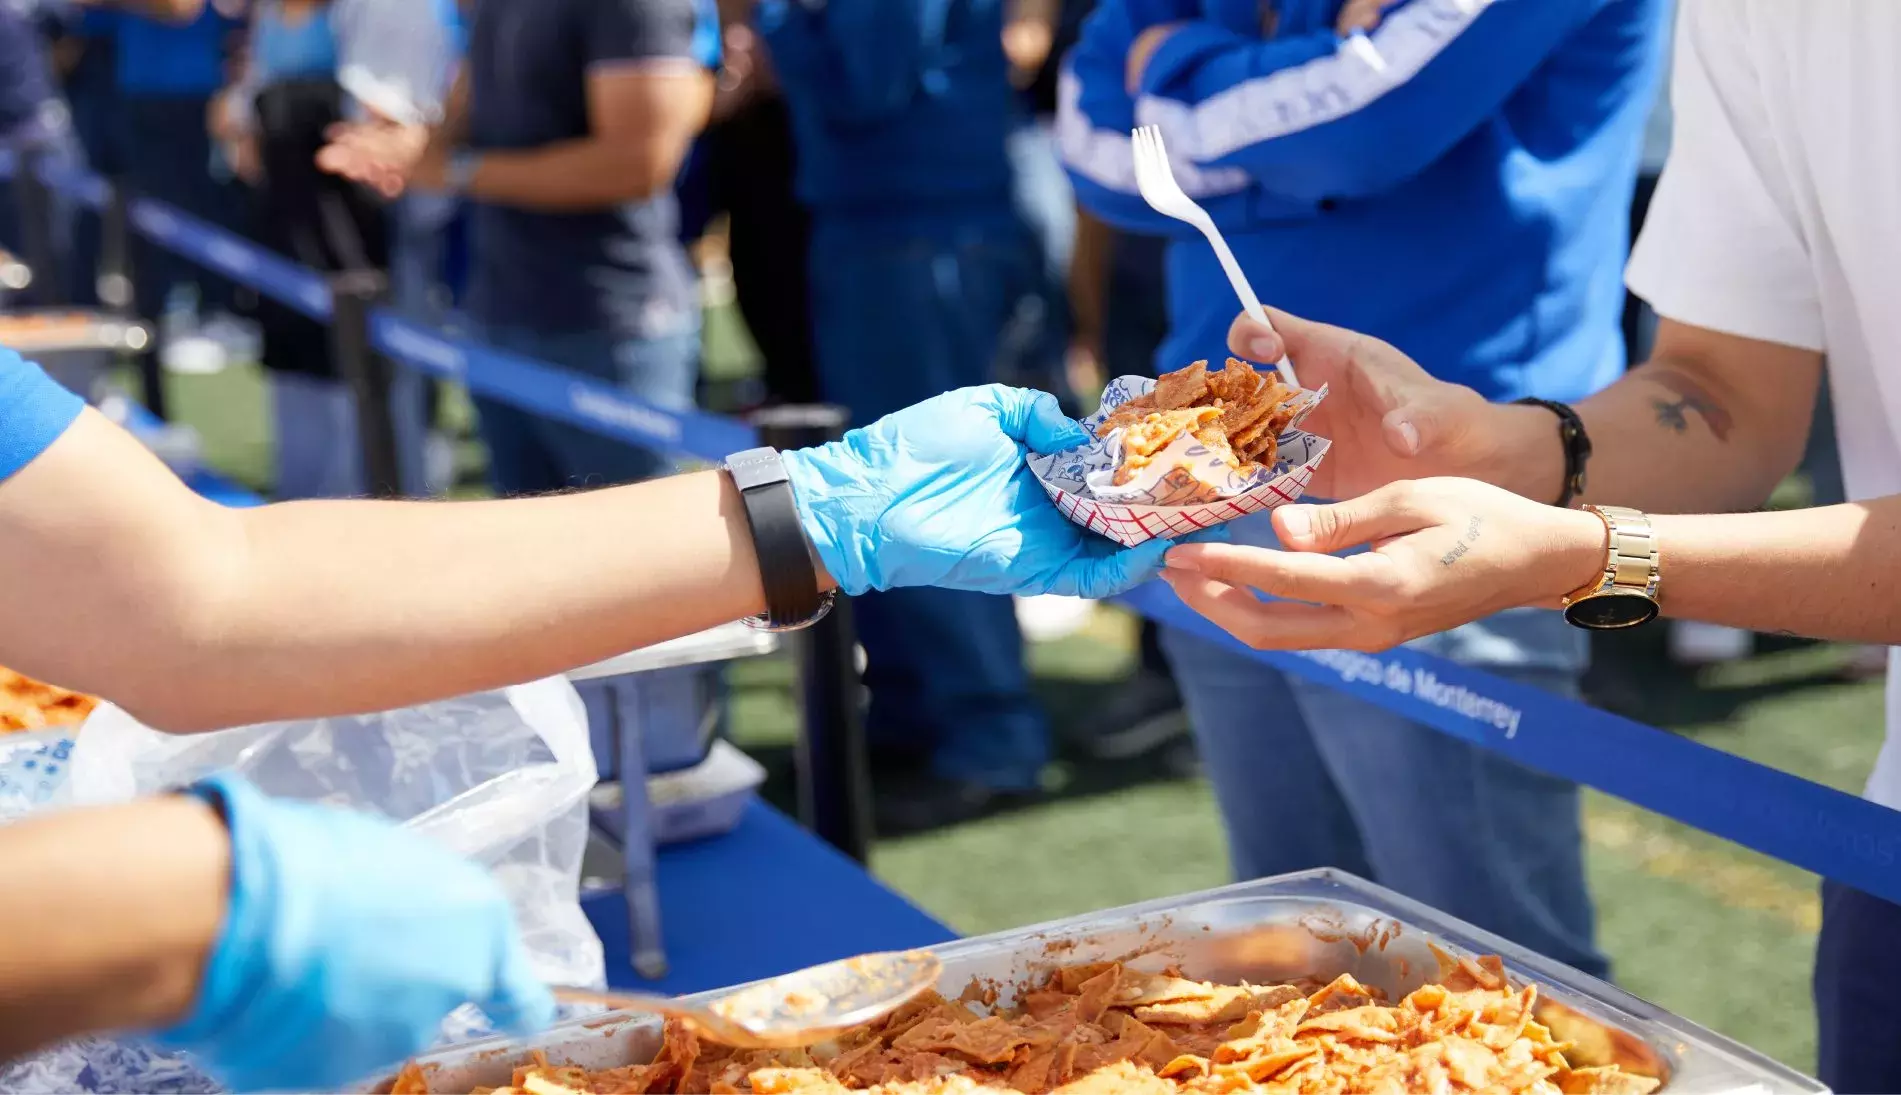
(501, 777)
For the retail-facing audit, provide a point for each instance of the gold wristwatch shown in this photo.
(1625, 594)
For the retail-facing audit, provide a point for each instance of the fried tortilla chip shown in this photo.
(1182, 388)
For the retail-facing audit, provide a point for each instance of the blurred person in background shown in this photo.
(271, 124)
(565, 131)
(170, 58)
(749, 170)
(35, 120)
(1036, 33)
(1382, 164)
(396, 61)
(81, 53)
(902, 111)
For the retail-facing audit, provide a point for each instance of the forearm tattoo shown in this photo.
(1689, 397)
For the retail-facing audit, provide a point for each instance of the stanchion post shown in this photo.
(35, 208)
(834, 774)
(117, 291)
(353, 294)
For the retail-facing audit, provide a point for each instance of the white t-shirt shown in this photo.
(1778, 216)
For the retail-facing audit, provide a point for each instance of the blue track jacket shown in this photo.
(1465, 197)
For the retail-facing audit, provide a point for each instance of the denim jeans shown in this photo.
(1856, 964)
(901, 313)
(318, 447)
(529, 454)
(168, 156)
(1307, 776)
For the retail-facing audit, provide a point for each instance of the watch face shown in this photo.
(1611, 611)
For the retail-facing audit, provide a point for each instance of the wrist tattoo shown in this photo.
(1690, 398)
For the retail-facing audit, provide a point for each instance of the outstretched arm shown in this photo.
(124, 583)
(1449, 551)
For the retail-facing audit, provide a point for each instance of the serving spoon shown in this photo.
(796, 1009)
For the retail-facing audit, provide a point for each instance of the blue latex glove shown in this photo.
(346, 942)
(939, 495)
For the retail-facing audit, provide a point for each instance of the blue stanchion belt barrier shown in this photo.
(1820, 829)
(557, 393)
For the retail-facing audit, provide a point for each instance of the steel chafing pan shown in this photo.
(1316, 924)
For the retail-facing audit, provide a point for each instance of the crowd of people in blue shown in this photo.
(923, 196)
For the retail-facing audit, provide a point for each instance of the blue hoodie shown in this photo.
(1468, 203)
(897, 105)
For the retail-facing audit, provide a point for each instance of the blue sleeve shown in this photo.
(98, 23)
(1094, 114)
(449, 12)
(861, 60)
(708, 46)
(1311, 117)
(34, 411)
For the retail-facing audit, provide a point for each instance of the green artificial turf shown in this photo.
(1698, 925)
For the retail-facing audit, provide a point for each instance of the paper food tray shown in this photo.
(1314, 924)
(1172, 498)
(32, 766)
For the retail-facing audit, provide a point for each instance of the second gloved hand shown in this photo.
(346, 942)
(939, 494)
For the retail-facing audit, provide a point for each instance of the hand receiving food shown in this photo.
(1444, 552)
(939, 494)
(345, 943)
(1388, 419)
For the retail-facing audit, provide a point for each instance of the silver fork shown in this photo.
(1156, 180)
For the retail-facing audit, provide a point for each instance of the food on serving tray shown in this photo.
(1103, 1029)
(1235, 412)
(27, 704)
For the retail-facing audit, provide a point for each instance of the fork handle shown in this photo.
(1249, 302)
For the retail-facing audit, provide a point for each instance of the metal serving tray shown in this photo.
(1314, 924)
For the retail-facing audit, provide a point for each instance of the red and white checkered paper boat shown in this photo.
(1185, 488)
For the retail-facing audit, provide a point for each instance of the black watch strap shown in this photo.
(786, 568)
(1577, 447)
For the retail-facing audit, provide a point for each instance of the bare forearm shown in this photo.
(572, 176)
(356, 606)
(109, 919)
(1690, 432)
(452, 132)
(1828, 573)
(194, 616)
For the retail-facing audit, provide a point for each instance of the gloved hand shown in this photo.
(938, 494)
(346, 942)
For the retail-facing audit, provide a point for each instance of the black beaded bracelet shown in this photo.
(1577, 447)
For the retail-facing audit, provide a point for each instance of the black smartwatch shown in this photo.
(786, 567)
(1577, 447)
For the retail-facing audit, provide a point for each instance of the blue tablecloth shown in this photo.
(765, 899)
